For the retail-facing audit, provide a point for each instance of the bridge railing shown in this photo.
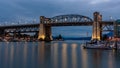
(8, 25)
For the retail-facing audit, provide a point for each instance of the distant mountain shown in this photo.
(75, 38)
(79, 38)
(110, 34)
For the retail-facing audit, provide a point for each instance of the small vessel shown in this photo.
(102, 45)
(97, 47)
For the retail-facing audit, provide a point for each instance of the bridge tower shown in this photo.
(97, 26)
(44, 30)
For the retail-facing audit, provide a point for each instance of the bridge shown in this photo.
(44, 27)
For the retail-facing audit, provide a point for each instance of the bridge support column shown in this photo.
(2, 32)
(44, 31)
(97, 27)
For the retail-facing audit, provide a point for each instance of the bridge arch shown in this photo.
(70, 18)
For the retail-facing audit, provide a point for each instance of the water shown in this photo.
(55, 54)
(72, 31)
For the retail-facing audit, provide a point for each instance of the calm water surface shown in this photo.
(56, 54)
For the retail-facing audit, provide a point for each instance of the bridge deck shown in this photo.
(55, 24)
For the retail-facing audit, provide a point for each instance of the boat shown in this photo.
(98, 47)
(105, 45)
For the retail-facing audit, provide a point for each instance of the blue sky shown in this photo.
(29, 10)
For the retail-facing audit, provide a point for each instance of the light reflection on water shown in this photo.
(55, 54)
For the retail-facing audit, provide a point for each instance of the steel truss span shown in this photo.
(70, 18)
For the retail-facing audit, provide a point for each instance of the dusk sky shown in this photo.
(32, 9)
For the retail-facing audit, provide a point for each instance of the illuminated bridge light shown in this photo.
(85, 19)
(56, 20)
(65, 19)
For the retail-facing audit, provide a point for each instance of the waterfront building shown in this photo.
(117, 28)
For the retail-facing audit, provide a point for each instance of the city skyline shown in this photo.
(32, 9)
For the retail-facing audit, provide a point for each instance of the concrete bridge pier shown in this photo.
(44, 30)
(97, 26)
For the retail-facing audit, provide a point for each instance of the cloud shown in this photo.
(99, 1)
(50, 8)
